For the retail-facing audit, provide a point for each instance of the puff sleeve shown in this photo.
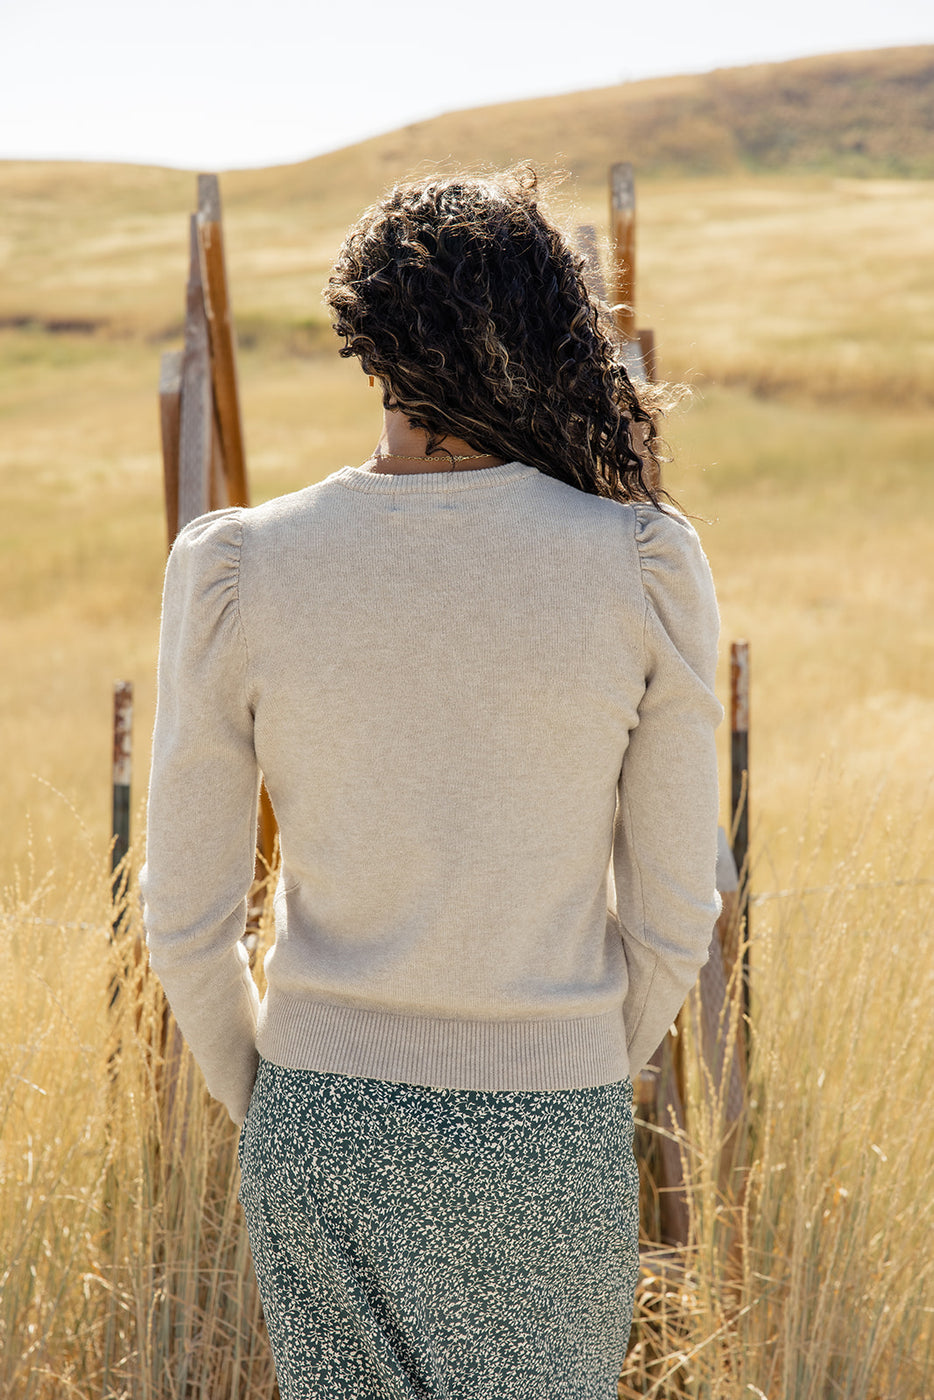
(665, 839)
(201, 830)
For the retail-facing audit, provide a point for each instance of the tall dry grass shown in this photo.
(812, 484)
(123, 1263)
(809, 1272)
(126, 1269)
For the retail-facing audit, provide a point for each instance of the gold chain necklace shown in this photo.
(430, 456)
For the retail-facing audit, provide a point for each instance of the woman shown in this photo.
(476, 673)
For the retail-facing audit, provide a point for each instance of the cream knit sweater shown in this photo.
(480, 700)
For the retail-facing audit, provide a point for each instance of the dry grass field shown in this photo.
(124, 1271)
(796, 307)
(799, 306)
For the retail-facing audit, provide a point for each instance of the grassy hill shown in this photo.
(784, 224)
(859, 114)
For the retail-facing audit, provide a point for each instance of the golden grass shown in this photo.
(809, 1273)
(817, 524)
(819, 500)
(126, 1269)
(805, 286)
(800, 309)
(813, 289)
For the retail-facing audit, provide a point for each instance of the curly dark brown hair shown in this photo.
(472, 310)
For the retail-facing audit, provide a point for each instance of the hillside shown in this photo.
(90, 249)
(767, 257)
(856, 114)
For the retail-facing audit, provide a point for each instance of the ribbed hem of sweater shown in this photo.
(431, 482)
(444, 1053)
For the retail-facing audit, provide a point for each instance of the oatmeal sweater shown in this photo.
(483, 705)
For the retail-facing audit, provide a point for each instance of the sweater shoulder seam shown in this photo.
(240, 623)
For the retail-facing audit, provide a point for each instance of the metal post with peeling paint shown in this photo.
(122, 768)
(623, 277)
(637, 347)
(623, 235)
(739, 787)
(122, 772)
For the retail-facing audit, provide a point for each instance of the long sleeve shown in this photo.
(665, 845)
(202, 810)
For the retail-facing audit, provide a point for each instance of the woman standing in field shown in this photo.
(476, 673)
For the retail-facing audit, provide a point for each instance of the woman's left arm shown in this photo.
(203, 792)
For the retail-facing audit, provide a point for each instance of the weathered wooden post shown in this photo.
(170, 397)
(660, 1089)
(196, 411)
(232, 463)
(204, 462)
(739, 796)
(638, 344)
(228, 468)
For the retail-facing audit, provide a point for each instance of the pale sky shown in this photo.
(221, 84)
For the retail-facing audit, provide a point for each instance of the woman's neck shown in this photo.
(402, 449)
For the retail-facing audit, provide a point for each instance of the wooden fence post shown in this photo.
(204, 462)
(660, 1090)
(739, 795)
(170, 395)
(638, 345)
(221, 341)
(196, 415)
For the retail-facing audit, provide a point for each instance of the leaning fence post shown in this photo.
(221, 341)
(196, 417)
(739, 791)
(170, 396)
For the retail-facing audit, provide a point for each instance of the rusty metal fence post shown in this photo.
(122, 773)
(623, 236)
